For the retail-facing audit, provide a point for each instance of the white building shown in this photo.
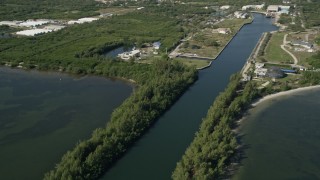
(82, 20)
(33, 32)
(225, 7)
(261, 72)
(34, 23)
(273, 9)
(256, 7)
(10, 23)
(259, 65)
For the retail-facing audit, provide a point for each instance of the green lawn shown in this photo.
(274, 53)
(193, 62)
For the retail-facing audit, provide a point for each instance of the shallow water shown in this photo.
(42, 115)
(282, 138)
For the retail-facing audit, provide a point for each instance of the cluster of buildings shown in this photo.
(137, 53)
(33, 26)
(252, 7)
(279, 9)
(271, 72)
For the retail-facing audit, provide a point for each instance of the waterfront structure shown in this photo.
(130, 54)
(273, 9)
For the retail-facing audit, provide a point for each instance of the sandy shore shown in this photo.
(271, 96)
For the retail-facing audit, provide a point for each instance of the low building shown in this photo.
(34, 23)
(273, 8)
(139, 8)
(255, 7)
(261, 72)
(304, 44)
(156, 45)
(225, 7)
(10, 23)
(33, 32)
(259, 65)
(82, 20)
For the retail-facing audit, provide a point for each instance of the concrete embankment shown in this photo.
(224, 46)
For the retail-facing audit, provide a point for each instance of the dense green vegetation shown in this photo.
(160, 84)
(78, 43)
(310, 78)
(314, 61)
(57, 9)
(215, 143)
(310, 12)
(79, 50)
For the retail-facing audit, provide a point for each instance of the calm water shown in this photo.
(155, 155)
(283, 139)
(42, 115)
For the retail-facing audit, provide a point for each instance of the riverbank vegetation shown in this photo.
(214, 144)
(160, 84)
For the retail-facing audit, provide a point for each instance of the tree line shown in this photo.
(160, 84)
(214, 144)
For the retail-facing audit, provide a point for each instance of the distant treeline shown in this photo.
(57, 9)
(214, 144)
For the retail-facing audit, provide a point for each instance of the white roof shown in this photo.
(31, 23)
(10, 23)
(273, 8)
(33, 32)
(87, 19)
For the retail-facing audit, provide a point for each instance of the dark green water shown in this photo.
(282, 139)
(42, 115)
(155, 155)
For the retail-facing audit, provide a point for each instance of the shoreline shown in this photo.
(282, 93)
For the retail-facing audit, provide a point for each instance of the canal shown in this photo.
(43, 115)
(155, 155)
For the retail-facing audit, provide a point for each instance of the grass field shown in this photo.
(193, 62)
(274, 53)
(205, 43)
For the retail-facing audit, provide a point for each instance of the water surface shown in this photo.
(42, 115)
(155, 155)
(282, 139)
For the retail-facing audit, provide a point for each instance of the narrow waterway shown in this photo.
(282, 139)
(155, 155)
(43, 115)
